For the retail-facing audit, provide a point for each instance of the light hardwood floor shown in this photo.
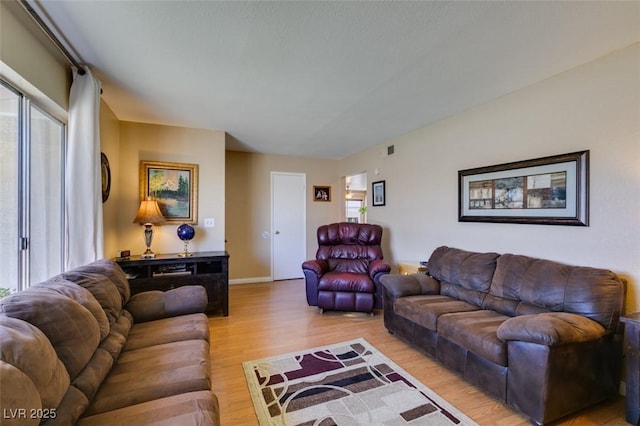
(268, 319)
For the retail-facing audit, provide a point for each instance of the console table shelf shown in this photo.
(167, 271)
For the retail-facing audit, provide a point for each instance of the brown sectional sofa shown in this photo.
(79, 349)
(541, 336)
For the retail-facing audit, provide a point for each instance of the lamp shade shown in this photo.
(149, 212)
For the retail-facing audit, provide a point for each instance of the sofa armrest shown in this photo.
(378, 267)
(551, 329)
(318, 267)
(409, 285)
(155, 304)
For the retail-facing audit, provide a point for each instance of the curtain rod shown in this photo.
(52, 36)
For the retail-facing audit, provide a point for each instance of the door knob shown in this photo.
(277, 232)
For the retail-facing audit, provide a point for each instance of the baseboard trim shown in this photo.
(250, 280)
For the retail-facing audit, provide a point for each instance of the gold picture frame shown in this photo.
(174, 186)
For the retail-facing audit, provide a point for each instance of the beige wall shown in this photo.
(174, 144)
(31, 62)
(248, 206)
(594, 107)
(110, 145)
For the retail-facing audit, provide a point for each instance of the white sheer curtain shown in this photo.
(83, 173)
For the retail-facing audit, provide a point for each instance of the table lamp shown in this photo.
(148, 215)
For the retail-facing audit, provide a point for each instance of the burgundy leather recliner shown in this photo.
(345, 276)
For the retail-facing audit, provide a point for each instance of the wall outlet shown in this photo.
(209, 222)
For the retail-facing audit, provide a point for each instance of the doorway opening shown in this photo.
(355, 200)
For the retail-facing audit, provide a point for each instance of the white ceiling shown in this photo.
(327, 79)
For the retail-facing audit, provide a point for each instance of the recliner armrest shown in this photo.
(319, 267)
(410, 285)
(551, 328)
(155, 304)
(378, 267)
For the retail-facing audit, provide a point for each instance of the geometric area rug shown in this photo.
(344, 384)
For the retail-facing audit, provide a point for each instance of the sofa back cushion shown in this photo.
(31, 374)
(464, 275)
(525, 285)
(111, 270)
(100, 286)
(70, 328)
(83, 297)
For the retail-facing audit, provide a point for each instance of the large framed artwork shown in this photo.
(174, 186)
(549, 191)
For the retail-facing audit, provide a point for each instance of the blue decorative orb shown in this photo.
(186, 232)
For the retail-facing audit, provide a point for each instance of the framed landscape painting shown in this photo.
(174, 186)
(549, 191)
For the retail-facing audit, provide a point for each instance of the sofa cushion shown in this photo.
(70, 409)
(425, 310)
(167, 330)
(472, 271)
(83, 297)
(32, 375)
(115, 341)
(154, 372)
(105, 291)
(113, 271)
(552, 286)
(192, 408)
(456, 291)
(92, 376)
(72, 330)
(477, 332)
(155, 304)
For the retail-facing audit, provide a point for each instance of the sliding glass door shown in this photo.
(32, 148)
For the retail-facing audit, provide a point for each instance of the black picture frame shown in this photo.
(322, 194)
(378, 193)
(550, 190)
(105, 172)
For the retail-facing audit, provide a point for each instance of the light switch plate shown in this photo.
(209, 222)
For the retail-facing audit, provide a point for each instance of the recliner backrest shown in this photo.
(349, 247)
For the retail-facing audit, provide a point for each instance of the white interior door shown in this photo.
(288, 224)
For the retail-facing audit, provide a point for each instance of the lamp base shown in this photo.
(148, 255)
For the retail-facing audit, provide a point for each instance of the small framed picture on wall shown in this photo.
(378, 196)
(321, 193)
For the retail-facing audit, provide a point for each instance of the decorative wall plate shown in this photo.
(106, 176)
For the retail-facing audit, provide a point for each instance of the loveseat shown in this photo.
(541, 336)
(79, 349)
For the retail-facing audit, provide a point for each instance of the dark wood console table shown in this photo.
(632, 350)
(166, 271)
